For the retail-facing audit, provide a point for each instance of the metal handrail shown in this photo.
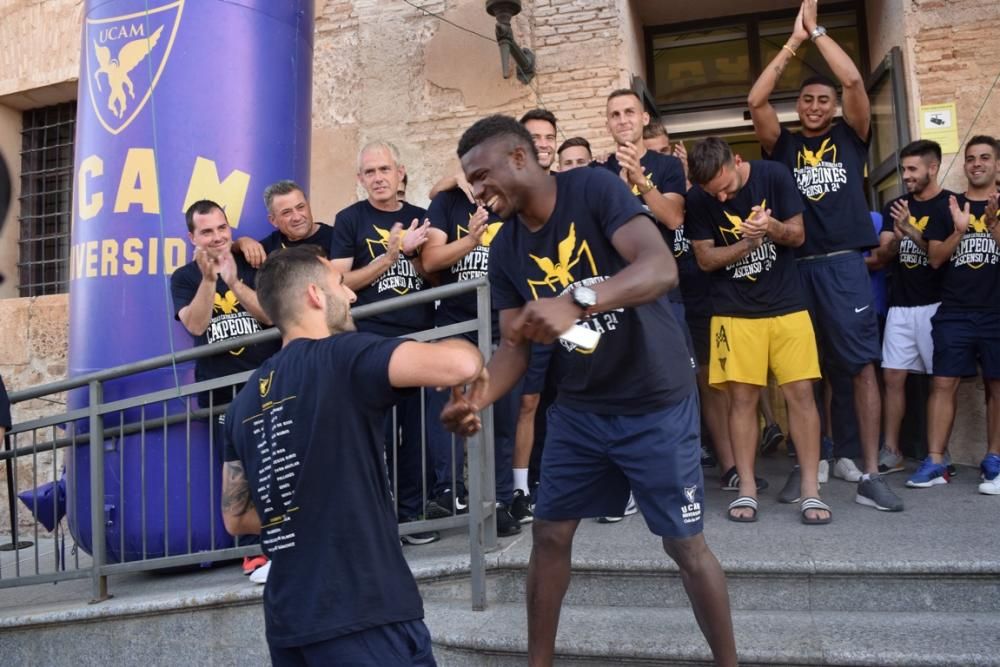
(481, 518)
(203, 351)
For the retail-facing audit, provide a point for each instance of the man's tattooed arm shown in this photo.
(238, 512)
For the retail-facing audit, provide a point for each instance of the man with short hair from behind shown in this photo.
(744, 220)
(914, 294)
(288, 210)
(828, 161)
(305, 468)
(376, 244)
(214, 298)
(967, 325)
(578, 249)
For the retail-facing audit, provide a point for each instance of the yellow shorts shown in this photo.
(744, 348)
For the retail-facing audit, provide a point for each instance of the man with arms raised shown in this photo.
(967, 325)
(579, 247)
(305, 459)
(828, 162)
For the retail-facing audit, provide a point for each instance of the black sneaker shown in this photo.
(419, 538)
(507, 525)
(770, 439)
(731, 481)
(520, 508)
(708, 459)
(446, 504)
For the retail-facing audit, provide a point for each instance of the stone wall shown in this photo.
(35, 337)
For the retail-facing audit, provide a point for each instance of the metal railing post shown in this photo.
(99, 582)
(482, 491)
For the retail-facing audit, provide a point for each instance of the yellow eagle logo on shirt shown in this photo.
(735, 229)
(383, 241)
(490, 233)
(808, 158)
(920, 223)
(978, 223)
(558, 274)
(264, 384)
(227, 303)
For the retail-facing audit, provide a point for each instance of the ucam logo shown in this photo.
(126, 56)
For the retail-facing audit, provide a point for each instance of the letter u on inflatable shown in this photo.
(179, 100)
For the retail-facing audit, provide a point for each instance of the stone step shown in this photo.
(947, 587)
(598, 636)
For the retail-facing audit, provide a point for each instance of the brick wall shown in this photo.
(953, 60)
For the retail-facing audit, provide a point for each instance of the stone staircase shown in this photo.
(917, 588)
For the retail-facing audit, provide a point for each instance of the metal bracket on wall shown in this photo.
(524, 59)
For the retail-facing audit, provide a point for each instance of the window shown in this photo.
(714, 63)
(46, 199)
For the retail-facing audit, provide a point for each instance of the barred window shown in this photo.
(46, 199)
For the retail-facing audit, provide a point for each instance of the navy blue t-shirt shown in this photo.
(450, 212)
(641, 363)
(829, 171)
(764, 283)
(229, 320)
(309, 430)
(971, 278)
(912, 281)
(361, 232)
(322, 237)
(666, 173)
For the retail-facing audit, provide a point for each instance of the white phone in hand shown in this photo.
(581, 336)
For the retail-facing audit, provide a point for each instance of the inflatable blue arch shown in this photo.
(179, 100)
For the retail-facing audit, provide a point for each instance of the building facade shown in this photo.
(418, 73)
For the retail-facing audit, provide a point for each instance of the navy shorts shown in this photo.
(591, 461)
(963, 339)
(538, 368)
(394, 645)
(839, 296)
(701, 338)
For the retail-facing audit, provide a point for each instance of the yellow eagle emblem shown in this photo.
(808, 158)
(265, 384)
(735, 229)
(490, 233)
(226, 304)
(978, 223)
(557, 274)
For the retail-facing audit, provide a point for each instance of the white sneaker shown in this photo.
(259, 576)
(824, 472)
(846, 470)
(991, 487)
(630, 509)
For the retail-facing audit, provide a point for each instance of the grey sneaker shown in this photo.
(874, 492)
(889, 462)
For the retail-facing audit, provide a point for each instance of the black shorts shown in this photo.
(538, 368)
(839, 296)
(403, 644)
(964, 339)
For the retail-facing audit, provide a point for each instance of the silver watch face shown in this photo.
(584, 297)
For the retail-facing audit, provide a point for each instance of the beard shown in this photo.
(338, 315)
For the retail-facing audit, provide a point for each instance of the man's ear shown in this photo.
(315, 296)
(519, 156)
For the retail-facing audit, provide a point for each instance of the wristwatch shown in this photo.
(585, 298)
(817, 32)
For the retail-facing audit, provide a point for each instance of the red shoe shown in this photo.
(251, 563)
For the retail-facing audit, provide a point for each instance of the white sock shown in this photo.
(521, 479)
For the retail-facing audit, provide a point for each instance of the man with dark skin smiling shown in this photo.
(828, 160)
(580, 249)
